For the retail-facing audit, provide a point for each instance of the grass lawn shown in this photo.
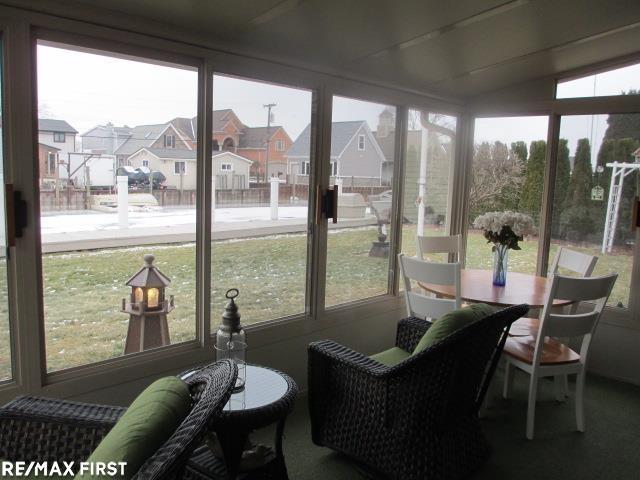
(83, 290)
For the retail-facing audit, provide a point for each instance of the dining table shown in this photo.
(476, 286)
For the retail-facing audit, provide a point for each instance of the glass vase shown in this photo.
(500, 261)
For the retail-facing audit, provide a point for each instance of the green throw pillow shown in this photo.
(451, 322)
(146, 425)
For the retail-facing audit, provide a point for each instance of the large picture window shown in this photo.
(588, 215)
(260, 246)
(99, 220)
(507, 175)
(428, 164)
(363, 145)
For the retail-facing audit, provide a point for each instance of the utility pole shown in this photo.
(268, 106)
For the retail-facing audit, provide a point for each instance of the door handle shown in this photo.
(16, 209)
(327, 202)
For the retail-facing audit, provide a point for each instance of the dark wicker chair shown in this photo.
(415, 420)
(47, 429)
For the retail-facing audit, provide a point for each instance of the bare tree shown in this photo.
(497, 178)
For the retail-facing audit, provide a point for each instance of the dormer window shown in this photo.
(361, 144)
(59, 137)
(169, 141)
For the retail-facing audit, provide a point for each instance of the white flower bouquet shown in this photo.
(505, 228)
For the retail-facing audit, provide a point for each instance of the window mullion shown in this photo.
(400, 150)
(544, 235)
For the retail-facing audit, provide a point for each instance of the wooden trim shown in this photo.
(548, 189)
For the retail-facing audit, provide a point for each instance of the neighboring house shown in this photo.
(179, 166)
(636, 155)
(105, 138)
(162, 136)
(231, 170)
(48, 164)
(228, 133)
(60, 135)
(356, 156)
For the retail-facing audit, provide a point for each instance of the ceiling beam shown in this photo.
(465, 22)
(518, 58)
(280, 9)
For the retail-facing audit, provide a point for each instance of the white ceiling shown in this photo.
(461, 48)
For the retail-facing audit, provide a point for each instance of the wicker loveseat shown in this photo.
(48, 429)
(417, 419)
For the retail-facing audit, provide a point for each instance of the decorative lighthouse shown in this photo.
(147, 309)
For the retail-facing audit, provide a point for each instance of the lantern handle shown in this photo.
(230, 295)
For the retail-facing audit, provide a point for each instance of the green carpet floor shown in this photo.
(609, 449)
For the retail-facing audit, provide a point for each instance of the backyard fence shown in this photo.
(249, 197)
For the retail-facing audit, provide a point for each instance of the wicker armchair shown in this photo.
(47, 429)
(417, 419)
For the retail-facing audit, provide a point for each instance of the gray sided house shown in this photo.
(159, 136)
(356, 156)
(105, 138)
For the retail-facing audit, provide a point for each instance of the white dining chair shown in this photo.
(543, 356)
(443, 244)
(582, 265)
(423, 306)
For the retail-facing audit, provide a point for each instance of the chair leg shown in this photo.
(580, 401)
(531, 406)
(565, 384)
(559, 386)
(507, 386)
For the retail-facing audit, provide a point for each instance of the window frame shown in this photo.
(279, 145)
(59, 137)
(169, 140)
(226, 164)
(362, 145)
(180, 171)
(53, 170)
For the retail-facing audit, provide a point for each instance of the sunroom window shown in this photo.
(97, 227)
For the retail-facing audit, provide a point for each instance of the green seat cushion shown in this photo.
(391, 357)
(451, 322)
(146, 425)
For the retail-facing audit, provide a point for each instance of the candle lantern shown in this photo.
(147, 308)
(231, 340)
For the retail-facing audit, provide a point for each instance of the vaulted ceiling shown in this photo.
(461, 48)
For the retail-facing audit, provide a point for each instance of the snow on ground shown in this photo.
(90, 221)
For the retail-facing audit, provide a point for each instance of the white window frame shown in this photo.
(175, 167)
(57, 136)
(362, 142)
(169, 140)
(334, 168)
(280, 145)
(305, 167)
(226, 164)
(145, 163)
(51, 155)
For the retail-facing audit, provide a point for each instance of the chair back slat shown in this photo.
(582, 289)
(442, 244)
(430, 272)
(578, 262)
(569, 326)
(422, 306)
(419, 303)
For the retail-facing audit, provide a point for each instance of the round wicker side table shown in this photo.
(267, 398)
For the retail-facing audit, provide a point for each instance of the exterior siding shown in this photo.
(68, 146)
(360, 163)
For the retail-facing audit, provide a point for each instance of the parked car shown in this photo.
(135, 177)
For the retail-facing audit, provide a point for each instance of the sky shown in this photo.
(87, 89)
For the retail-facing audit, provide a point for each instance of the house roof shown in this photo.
(341, 135)
(141, 136)
(149, 277)
(109, 130)
(231, 154)
(170, 153)
(49, 147)
(52, 125)
(256, 137)
(187, 126)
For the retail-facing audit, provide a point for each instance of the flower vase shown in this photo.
(500, 257)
